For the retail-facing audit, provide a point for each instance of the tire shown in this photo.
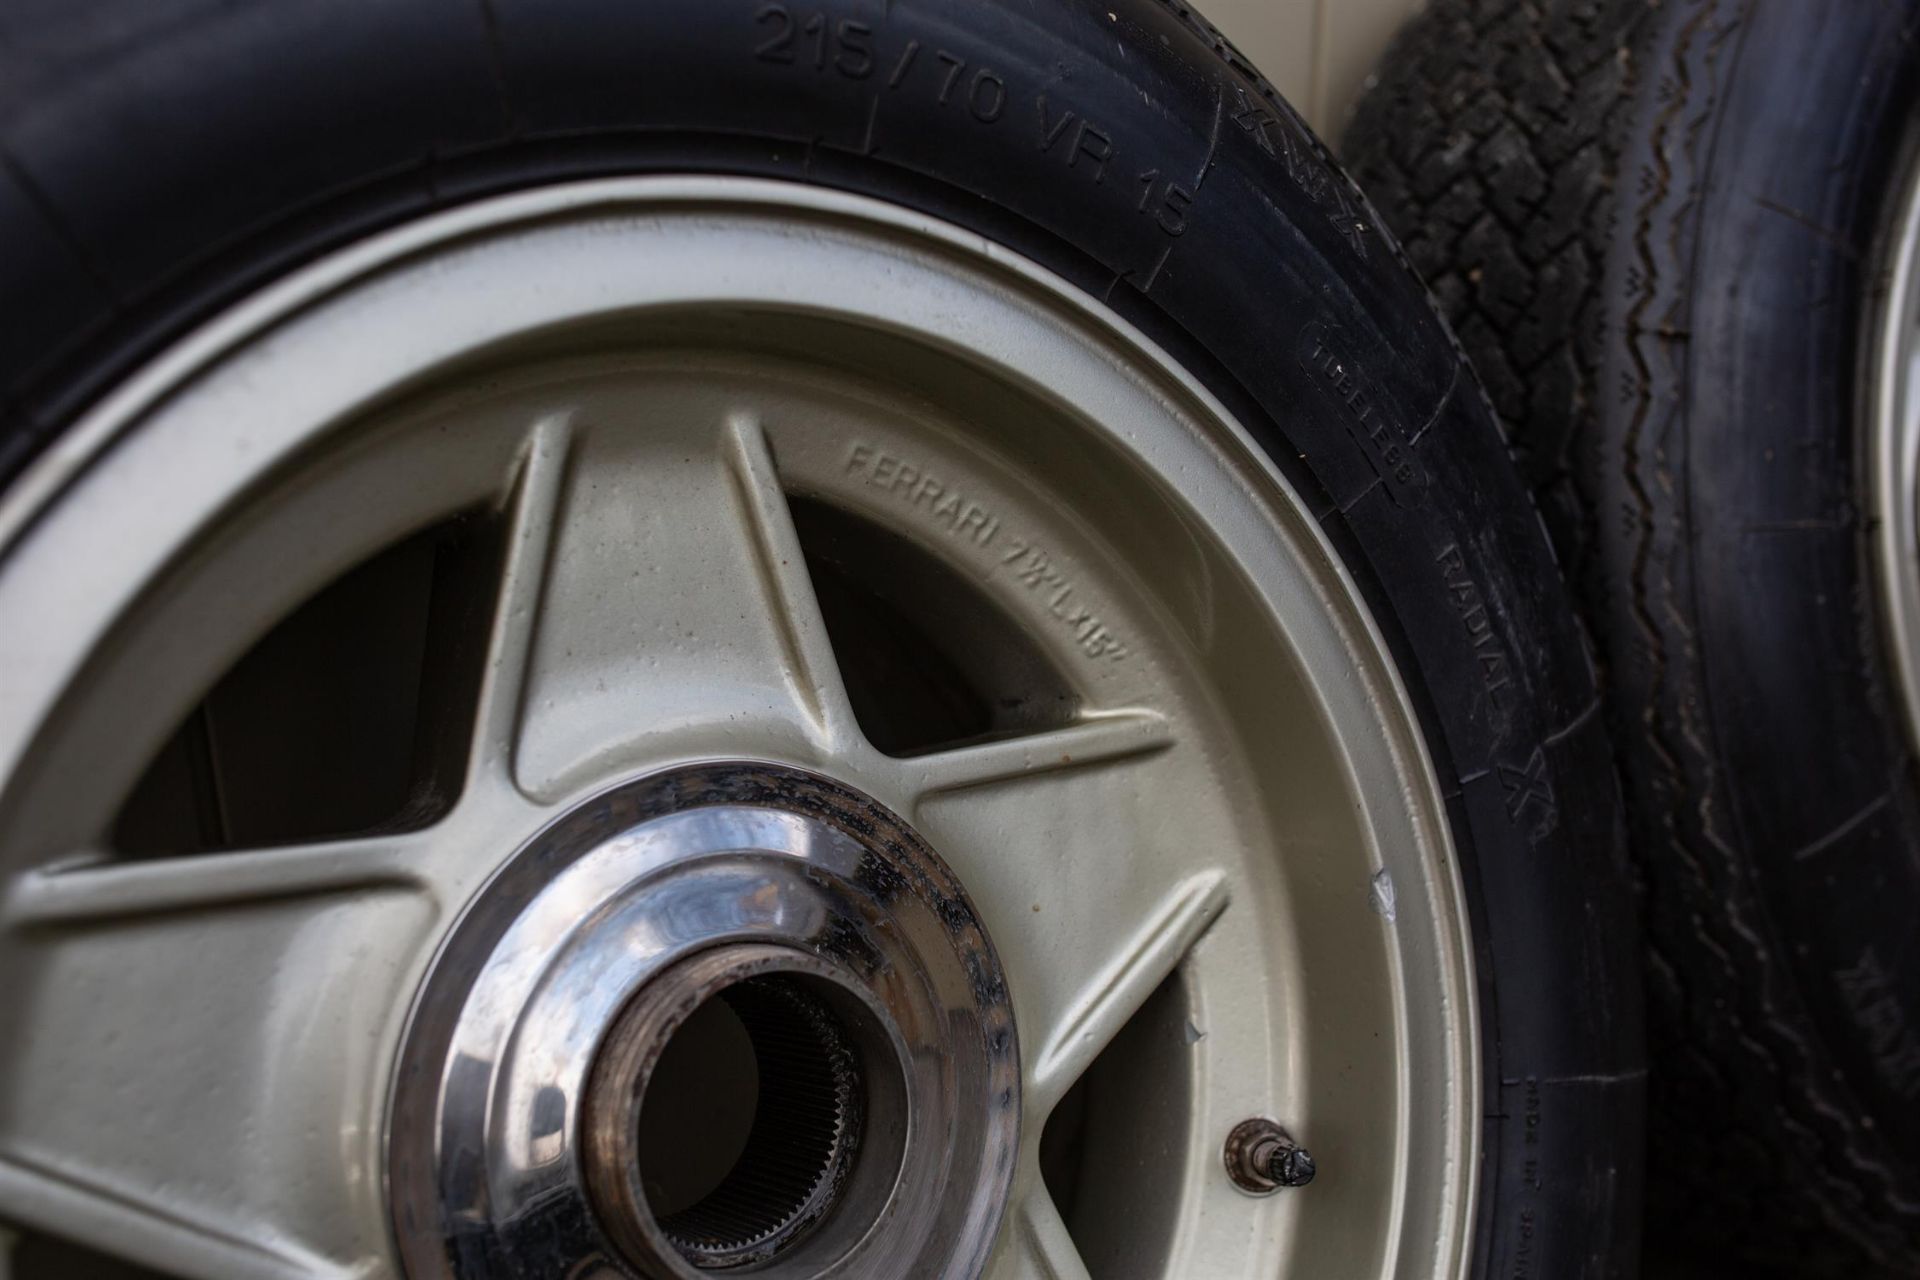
(165, 161)
(1659, 232)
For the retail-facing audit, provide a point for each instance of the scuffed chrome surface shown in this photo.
(486, 1166)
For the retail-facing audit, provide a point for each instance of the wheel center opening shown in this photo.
(698, 1111)
(749, 1122)
(749, 1107)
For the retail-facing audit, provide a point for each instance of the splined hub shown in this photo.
(809, 1101)
(792, 954)
(805, 1132)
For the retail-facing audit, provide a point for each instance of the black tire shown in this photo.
(163, 158)
(1655, 229)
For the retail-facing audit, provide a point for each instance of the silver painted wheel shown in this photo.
(1184, 792)
(1894, 448)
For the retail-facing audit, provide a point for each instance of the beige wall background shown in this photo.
(1318, 52)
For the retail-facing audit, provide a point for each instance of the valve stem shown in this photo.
(1262, 1157)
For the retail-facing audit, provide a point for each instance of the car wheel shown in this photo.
(874, 639)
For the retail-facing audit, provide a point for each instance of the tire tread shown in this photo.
(1497, 143)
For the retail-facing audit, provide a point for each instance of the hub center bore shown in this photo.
(724, 1016)
(728, 1111)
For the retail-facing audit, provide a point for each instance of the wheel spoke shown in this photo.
(205, 1075)
(1074, 846)
(536, 505)
(95, 889)
(1138, 964)
(1114, 735)
(149, 1233)
(783, 572)
(656, 594)
(1036, 1244)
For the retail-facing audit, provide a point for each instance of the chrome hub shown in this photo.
(721, 1016)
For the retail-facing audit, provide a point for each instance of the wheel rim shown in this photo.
(1893, 447)
(1233, 844)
